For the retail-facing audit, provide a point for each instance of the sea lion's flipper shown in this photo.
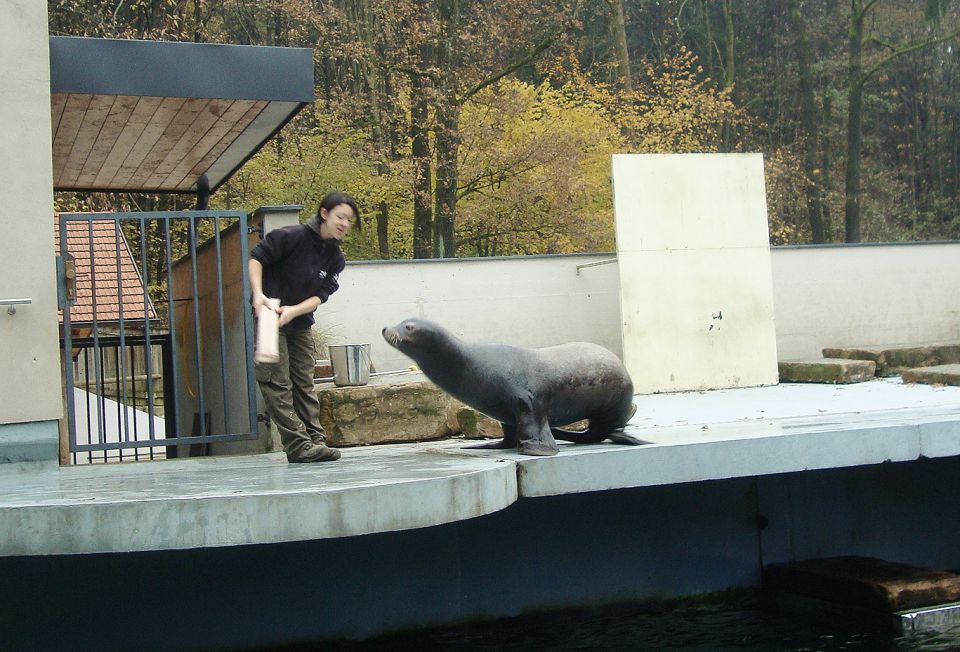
(509, 439)
(618, 437)
(533, 430)
(497, 444)
(576, 436)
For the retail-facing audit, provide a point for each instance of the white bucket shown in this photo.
(351, 364)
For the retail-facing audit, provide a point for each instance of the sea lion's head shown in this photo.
(413, 335)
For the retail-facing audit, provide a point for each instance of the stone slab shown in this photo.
(892, 361)
(946, 374)
(395, 409)
(865, 582)
(827, 370)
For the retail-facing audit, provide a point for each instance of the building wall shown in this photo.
(30, 384)
(841, 295)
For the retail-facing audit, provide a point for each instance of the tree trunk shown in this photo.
(447, 133)
(372, 82)
(422, 178)
(854, 123)
(808, 120)
(448, 146)
(619, 32)
(729, 76)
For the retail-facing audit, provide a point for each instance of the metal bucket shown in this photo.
(351, 364)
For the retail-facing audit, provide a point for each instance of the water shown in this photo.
(739, 623)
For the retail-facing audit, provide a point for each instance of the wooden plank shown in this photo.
(93, 119)
(148, 138)
(66, 134)
(225, 141)
(202, 121)
(57, 103)
(185, 174)
(865, 582)
(120, 112)
(145, 109)
(175, 128)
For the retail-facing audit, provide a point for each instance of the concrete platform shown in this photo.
(228, 501)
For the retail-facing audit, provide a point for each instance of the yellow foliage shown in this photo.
(534, 173)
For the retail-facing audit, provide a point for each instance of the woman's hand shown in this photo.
(258, 300)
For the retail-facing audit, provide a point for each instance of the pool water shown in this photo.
(739, 623)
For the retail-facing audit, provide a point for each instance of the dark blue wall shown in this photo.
(637, 544)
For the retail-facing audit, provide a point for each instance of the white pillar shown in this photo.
(30, 384)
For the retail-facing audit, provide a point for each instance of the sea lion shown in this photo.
(530, 391)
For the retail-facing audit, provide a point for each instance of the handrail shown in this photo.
(14, 302)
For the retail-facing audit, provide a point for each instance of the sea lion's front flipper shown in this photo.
(533, 430)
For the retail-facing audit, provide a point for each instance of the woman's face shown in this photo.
(336, 222)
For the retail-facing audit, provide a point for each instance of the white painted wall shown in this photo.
(823, 296)
(533, 301)
(865, 295)
(30, 386)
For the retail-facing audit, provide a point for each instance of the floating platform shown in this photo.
(913, 598)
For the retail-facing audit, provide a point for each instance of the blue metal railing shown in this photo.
(118, 305)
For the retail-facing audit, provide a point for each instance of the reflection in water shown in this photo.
(735, 622)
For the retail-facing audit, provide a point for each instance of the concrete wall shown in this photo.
(823, 296)
(30, 384)
(861, 295)
(534, 301)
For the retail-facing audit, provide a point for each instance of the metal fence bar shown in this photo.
(247, 313)
(121, 359)
(68, 350)
(145, 271)
(172, 327)
(126, 427)
(227, 421)
(197, 340)
(97, 357)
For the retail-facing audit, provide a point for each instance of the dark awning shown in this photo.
(156, 115)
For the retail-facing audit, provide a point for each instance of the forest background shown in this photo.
(486, 127)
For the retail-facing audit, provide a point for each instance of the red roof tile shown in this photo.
(114, 274)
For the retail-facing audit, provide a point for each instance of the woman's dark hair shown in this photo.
(334, 199)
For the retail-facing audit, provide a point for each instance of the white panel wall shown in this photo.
(534, 301)
(865, 295)
(694, 271)
(29, 350)
(841, 295)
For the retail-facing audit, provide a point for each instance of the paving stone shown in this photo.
(892, 361)
(396, 412)
(945, 374)
(865, 582)
(827, 370)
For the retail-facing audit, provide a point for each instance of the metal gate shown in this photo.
(156, 333)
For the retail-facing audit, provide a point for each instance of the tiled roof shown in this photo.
(114, 274)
